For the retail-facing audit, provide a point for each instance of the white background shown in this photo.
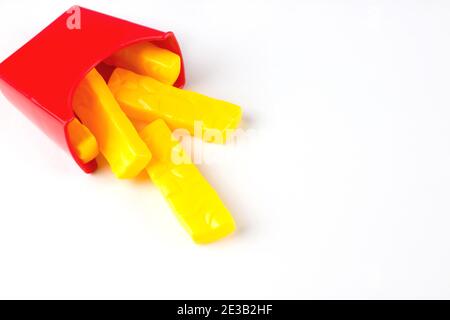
(341, 189)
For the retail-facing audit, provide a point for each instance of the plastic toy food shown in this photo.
(148, 59)
(118, 140)
(145, 72)
(196, 204)
(83, 141)
(146, 99)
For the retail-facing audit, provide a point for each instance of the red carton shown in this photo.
(41, 77)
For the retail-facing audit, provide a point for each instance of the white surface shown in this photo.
(341, 188)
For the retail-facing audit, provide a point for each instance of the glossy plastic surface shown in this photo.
(41, 77)
(195, 203)
(146, 99)
(82, 140)
(150, 60)
(117, 139)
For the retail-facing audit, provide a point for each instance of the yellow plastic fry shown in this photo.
(117, 139)
(146, 99)
(194, 201)
(82, 140)
(148, 59)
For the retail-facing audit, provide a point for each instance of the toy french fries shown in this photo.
(53, 80)
(117, 139)
(146, 99)
(193, 200)
(83, 141)
(148, 59)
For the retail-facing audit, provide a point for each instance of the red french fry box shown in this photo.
(41, 77)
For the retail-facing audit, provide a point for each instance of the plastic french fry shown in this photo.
(117, 139)
(195, 203)
(82, 140)
(146, 99)
(148, 59)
